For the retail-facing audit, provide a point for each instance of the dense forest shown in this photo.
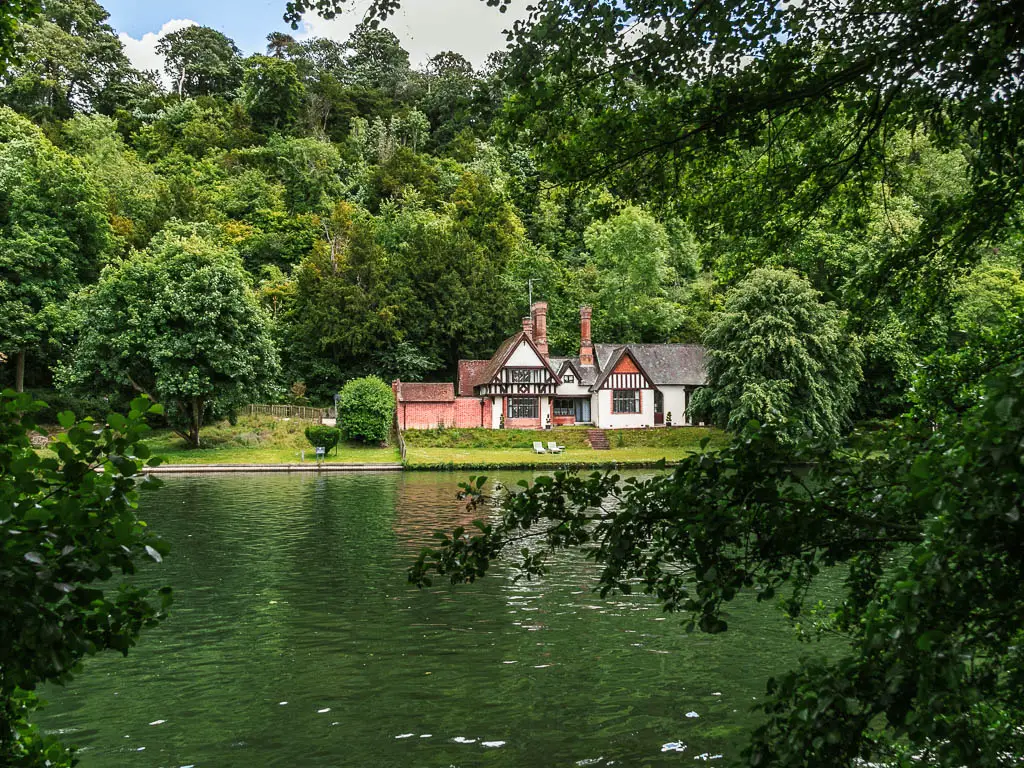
(364, 216)
(827, 196)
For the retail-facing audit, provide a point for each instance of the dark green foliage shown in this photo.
(12, 15)
(272, 93)
(53, 234)
(367, 410)
(70, 527)
(926, 529)
(779, 357)
(54, 402)
(322, 436)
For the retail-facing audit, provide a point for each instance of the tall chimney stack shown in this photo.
(528, 326)
(586, 345)
(539, 314)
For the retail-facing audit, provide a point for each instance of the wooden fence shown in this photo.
(297, 412)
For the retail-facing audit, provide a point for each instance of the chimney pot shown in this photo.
(539, 316)
(586, 345)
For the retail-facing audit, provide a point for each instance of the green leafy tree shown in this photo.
(280, 44)
(631, 251)
(778, 356)
(201, 61)
(70, 61)
(377, 59)
(179, 323)
(344, 307)
(136, 196)
(272, 93)
(70, 527)
(990, 294)
(367, 410)
(12, 15)
(53, 236)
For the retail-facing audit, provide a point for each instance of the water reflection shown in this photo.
(295, 640)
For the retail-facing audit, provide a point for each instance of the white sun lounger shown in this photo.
(555, 447)
(538, 448)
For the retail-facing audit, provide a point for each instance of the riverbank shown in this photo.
(267, 444)
(262, 441)
(513, 448)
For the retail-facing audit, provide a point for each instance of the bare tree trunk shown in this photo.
(19, 371)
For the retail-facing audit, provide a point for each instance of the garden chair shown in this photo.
(555, 447)
(537, 447)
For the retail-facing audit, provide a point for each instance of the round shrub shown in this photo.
(366, 410)
(321, 436)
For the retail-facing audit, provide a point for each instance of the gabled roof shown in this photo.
(665, 364)
(469, 375)
(421, 392)
(561, 363)
(504, 352)
(612, 363)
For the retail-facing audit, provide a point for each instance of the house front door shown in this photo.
(582, 407)
(659, 408)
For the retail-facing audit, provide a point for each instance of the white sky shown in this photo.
(424, 27)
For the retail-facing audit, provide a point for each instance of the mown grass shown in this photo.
(485, 448)
(260, 440)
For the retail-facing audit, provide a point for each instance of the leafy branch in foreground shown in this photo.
(69, 525)
(927, 530)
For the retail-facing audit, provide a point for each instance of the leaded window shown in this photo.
(564, 408)
(521, 375)
(523, 408)
(626, 401)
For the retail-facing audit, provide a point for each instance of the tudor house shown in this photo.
(610, 386)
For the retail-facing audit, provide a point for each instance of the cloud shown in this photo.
(427, 27)
(142, 53)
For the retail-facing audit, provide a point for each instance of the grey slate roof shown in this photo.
(666, 364)
(588, 373)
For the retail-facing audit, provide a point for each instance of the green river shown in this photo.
(294, 640)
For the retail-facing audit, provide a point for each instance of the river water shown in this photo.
(294, 640)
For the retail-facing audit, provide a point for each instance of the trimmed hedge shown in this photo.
(321, 436)
(367, 410)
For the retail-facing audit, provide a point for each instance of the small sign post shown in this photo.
(321, 452)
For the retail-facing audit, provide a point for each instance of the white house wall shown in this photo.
(675, 403)
(545, 409)
(605, 419)
(572, 390)
(496, 411)
(523, 357)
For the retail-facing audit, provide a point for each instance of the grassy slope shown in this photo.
(260, 440)
(514, 447)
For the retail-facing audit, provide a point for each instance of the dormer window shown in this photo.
(568, 378)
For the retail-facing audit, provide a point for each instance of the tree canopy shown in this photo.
(180, 324)
(779, 357)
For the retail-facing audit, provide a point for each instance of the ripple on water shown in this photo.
(297, 585)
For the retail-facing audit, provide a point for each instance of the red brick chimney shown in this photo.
(539, 314)
(528, 326)
(586, 345)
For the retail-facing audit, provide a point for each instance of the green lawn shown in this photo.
(260, 440)
(484, 448)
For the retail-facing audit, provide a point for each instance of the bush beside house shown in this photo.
(366, 410)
